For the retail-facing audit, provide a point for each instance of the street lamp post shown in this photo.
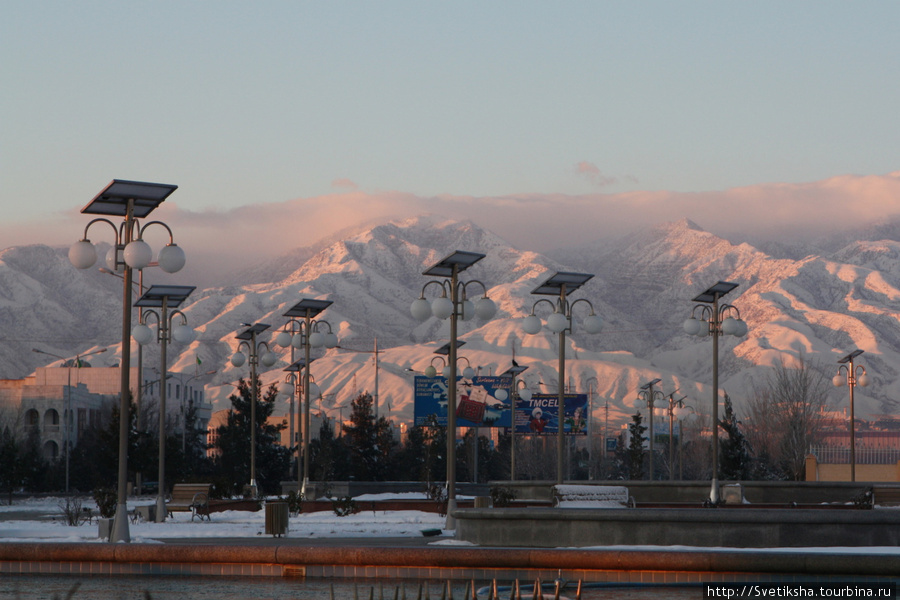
(297, 381)
(132, 200)
(454, 307)
(303, 320)
(714, 322)
(67, 409)
(163, 297)
(560, 285)
(525, 394)
(852, 376)
(647, 398)
(268, 358)
(676, 410)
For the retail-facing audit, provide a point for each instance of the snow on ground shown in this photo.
(41, 520)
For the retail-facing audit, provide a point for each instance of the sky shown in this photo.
(305, 117)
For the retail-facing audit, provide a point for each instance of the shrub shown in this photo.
(502, 496)
(438, 494)
(343, 506)
(106, 499)
(72, 511)
(295, 502)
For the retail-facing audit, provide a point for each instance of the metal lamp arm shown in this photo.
(108, 222)
(463, 285)
(442, 284)
(535, 305)
(141, 230)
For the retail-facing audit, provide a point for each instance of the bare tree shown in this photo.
(786, 414)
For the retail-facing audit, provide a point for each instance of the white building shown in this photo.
(40, 402)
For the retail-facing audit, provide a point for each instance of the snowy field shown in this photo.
(41, 520)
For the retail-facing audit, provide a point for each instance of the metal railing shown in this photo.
(837, 455)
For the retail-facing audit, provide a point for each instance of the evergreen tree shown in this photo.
(328, 456)
(422, 457)
(734, 455)
(635, 454)
(233, 442)
(370, 442)
(95, 460)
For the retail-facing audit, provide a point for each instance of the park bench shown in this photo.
(190, 497)
(591, 496)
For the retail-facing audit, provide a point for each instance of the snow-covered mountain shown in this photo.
(821, 305)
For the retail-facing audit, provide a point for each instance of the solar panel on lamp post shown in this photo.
(561, 284)
(855, 375)
(647, 397)
(163, 297)
(132, 200)
(453, 307)
(303, 316)
(248, 339)
(713, 322)
(513, 372)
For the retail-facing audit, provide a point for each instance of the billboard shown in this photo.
(476, 402)
(540, 415)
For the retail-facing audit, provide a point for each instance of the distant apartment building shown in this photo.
(45, 401)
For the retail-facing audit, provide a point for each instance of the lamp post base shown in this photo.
(450, 523)
(160, 514)
(120, 531)
(714, 492)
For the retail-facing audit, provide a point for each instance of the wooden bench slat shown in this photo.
(190, 497)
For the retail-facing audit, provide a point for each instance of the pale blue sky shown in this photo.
(242, 103)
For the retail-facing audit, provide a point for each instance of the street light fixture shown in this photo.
(454, 307)
(131, 200)
(560, 321)
(715, 320)
(513, 372)
(67, 410)
(647, 398)
(851, 377)
(163, 297)
(302, 331)
(676, 410)
(268, 358)
(296, 382)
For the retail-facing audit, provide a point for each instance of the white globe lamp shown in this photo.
(268, 359)
(183, 334)
(420, 309)
(692, 326)
(138, 254)
(142, 334)
(442, 307)
(83, 254)
(283, 339)
(531, 324)
(485, 309)
(557, 322)
(593, 324)
(171, 258)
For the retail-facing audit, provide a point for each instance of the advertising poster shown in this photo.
(476, 403)
(540, 415)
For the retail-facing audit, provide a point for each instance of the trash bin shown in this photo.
(277, 517)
